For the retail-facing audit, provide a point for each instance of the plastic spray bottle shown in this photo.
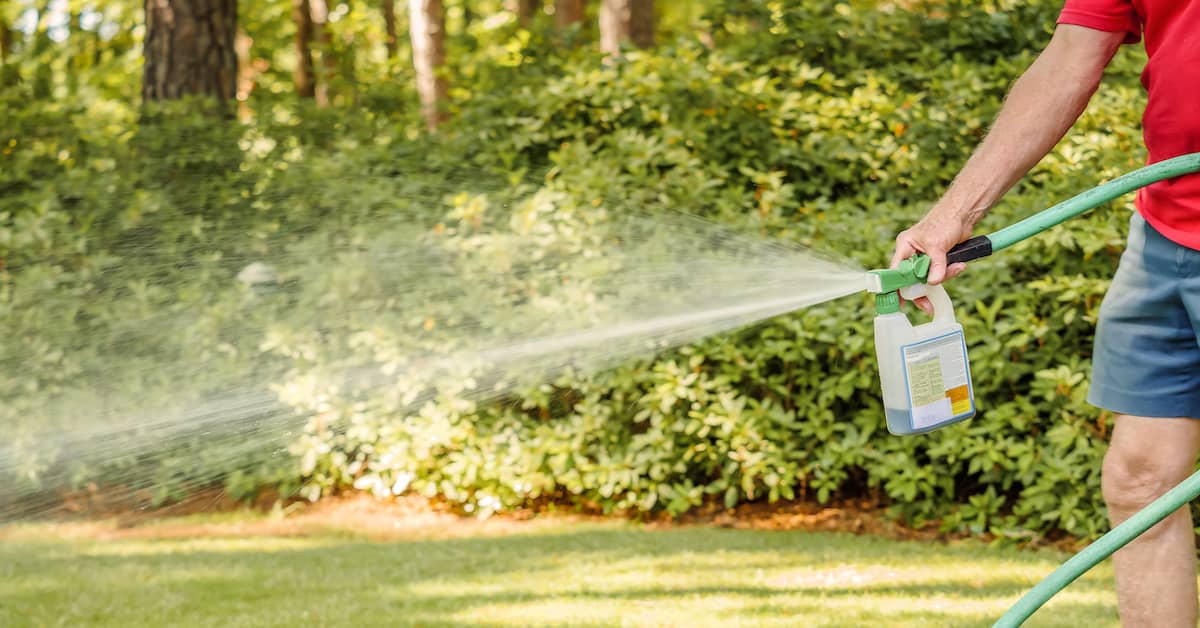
(923, 369)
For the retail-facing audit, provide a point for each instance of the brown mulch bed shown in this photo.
(98, 514)
(853, 516)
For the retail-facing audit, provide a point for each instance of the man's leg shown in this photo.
(1156, 573)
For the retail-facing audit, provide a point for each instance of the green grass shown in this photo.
(583, 574)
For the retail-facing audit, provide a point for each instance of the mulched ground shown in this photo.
(95, 514)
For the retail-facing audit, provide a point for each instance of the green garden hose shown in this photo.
(984, 245)
(1104, 547)
(1099, 195)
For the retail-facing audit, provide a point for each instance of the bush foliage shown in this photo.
(827, 124)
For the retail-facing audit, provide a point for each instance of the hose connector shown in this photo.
(908, 272)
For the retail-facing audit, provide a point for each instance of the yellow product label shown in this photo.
(925, 381)
(938, 379)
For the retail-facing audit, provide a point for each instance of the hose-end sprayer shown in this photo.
(923, 369)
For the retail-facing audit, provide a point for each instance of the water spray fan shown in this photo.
(925, 374)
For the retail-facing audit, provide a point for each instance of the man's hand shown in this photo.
(936, 234)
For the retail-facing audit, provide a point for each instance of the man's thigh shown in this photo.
(1146, 361)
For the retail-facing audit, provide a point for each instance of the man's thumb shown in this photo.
(937, 267)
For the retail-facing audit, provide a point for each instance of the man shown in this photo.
(1147, 354)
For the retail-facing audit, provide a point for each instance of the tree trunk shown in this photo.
(643, 23)
(75, 63)
(6, 41)
(303, 75)
(320, 22)
(8, 75)
(626, 20)
(568, 12)
(42, 80)
(525, 9)
(427, 25)
(389, 22)
(189, 49)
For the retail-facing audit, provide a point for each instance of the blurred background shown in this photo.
(211, 211)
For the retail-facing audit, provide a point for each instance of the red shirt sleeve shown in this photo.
(1113, 16)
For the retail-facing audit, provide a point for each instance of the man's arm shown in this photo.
(1040, 108)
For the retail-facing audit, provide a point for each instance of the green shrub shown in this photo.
(824, 125)
(837, 143)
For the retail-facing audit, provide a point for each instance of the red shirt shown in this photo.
(1171, 124)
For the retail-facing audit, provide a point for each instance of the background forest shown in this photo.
(150, 155)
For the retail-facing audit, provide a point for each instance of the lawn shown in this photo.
(255, 570)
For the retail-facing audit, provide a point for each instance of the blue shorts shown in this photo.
(1147, 356)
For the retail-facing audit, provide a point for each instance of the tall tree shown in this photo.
(303, 75)
(5, 40)
(642, 31)
(329, 67)
(568, 12)
(389, 23)
(525, 9)
(312, 32)
(626, 20)
(7, 75)
(190, 49)
(427, 27)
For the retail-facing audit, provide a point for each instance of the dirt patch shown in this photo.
(353, 515)
(213, 514)
(853, 516)
(130, 507)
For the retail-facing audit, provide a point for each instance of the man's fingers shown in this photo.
(955, 270)
(923, 303)
(904, 250)
(933, 237)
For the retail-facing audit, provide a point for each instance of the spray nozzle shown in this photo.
(887, 282)
(909, 272)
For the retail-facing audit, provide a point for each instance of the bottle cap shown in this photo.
(887, 302)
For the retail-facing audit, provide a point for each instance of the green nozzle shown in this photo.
(886, 282)
(909, 272)
(887, 302)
